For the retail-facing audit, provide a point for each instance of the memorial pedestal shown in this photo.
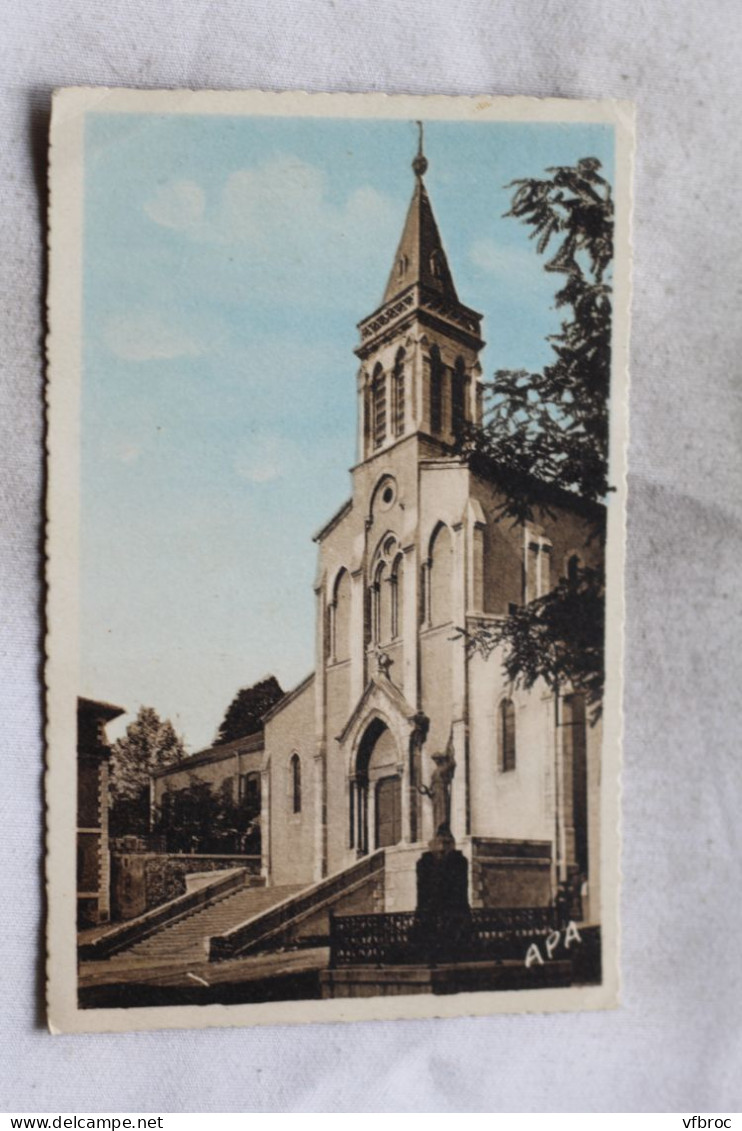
(443, 926)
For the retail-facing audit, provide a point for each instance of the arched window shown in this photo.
(295, 770)
(440, 577)
(398, 598)
(374, 603)
(367, 415)
(537, 572)
(382, 609)
(383, 605)
(458, 397)
(436, 390)
(398, 391)
(378, 398)
(507, 735)
(341, 617)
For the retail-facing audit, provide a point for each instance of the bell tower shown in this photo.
(420, 372)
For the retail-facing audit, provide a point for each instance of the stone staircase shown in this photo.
(303, 917)
(234, 920)
(187, 939)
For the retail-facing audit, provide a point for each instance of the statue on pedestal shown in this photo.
(439, 792)
(443, 915)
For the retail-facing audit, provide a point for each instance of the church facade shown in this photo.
(416, 554)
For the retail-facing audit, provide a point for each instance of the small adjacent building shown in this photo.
(93, 857)
(232, 770)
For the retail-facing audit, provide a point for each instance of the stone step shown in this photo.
(188, 937)
(200, 922)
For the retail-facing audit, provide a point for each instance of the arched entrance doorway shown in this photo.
(376, 793)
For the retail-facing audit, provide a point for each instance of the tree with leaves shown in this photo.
(189, 818)
(245, 712)
(149, 744)
(202, 817)
(545, 435)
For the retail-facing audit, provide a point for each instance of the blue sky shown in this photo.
(226, 263)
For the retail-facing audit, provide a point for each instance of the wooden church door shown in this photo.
(388, 811)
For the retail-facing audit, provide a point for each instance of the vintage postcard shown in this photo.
(337, 425)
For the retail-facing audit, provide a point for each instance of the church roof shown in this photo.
(289, 697)
(420, 256)
(220, 752)
(331, 523)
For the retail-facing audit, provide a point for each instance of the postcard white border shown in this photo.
(62, 535)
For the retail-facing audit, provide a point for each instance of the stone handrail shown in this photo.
(249, 936)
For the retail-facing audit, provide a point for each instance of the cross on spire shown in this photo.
(420, 162)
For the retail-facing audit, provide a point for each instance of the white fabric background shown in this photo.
(675, 1043)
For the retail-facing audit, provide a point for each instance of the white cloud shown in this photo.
(266, 203)
(280, 229)
(283, 205)
(267, 457)
(177, 204)
(301, 246)
(147, 336)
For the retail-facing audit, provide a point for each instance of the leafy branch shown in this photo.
(545, 435)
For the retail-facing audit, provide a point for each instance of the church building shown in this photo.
(417, 553)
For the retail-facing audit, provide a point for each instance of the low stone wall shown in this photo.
(502, 873)
(400, 878)
(510, 873)
(143, 880)
(461, 977)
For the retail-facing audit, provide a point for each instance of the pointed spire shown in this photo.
(420, 257)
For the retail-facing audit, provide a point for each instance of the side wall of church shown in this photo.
(515, 803)
(505, 544)
(290, 742)
(520, 801)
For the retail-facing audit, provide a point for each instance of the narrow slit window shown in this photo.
(507, 735)
(378, 396)
(458, 398)
(296, 783)
(398, 390)
(436, 390)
